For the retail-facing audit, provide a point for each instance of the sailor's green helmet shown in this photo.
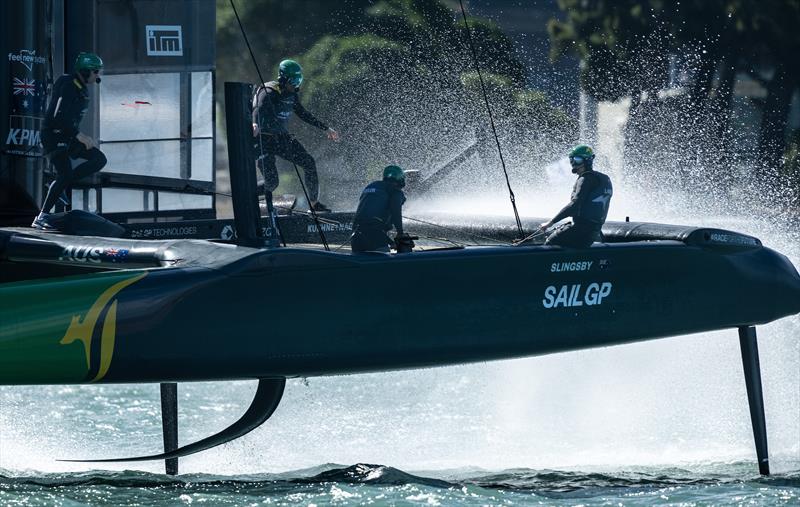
(88, 61)
(291, 72)
(395, 174)
(581, 154)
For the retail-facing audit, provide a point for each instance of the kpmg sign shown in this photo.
(27, 95)
(164, 40)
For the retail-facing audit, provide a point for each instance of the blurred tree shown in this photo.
(277, 29)
(626, 46)
(409, 91)
(621, 43)
(775, 45)
(388, 75)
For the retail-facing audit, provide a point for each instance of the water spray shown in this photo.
(491, 120)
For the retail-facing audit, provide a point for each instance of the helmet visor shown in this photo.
(296, 80)
(576, 160)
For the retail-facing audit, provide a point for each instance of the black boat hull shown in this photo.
(248, 313)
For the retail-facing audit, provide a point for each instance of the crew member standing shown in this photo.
(273, 105)
(73, 154)
(380, 208)
(588, 207)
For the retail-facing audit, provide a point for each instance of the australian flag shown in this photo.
(116, 254)
(28, 96)
(24, 86)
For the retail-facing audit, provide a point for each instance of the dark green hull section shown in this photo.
(238, 313)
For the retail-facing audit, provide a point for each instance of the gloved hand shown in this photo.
(404, 243)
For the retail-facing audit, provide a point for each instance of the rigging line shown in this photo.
(329, 221)
(491, 119)
(311, 208)
(260, 141)
(291, 210)
(247, 42)
(341, 246)
(471, 234)
(280, 233)
(442, 240)
(529, 237)
(214, 192)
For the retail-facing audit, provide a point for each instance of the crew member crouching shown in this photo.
(380, 208)
(588, 207)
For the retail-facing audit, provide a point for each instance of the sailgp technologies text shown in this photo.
(558, 267)
(159, 232)
(575, 295)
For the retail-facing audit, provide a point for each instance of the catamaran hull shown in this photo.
(265, 314)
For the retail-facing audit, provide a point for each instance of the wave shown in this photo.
(543, 482)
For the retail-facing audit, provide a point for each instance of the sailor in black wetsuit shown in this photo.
(273, 105)
(588, 206)
(380, 208)
(73, 154)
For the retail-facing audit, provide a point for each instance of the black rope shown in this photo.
(444, 227)
(455, 244)
(204, 191)
(246, 41)
(529, 237)
(292, 210)
(317, 220)
(311, 208)
(260, 143)
(491, 120)
(330, 221)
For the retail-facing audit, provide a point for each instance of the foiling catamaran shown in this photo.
(102, 302)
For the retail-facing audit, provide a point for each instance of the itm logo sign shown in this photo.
(83, 329)
(164, 40)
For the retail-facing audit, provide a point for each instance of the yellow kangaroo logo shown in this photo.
(82, 329)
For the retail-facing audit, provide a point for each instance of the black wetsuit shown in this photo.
(380, 208)
(272, 108)
(72, 161)
(588, 208)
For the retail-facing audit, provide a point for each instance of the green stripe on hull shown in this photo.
(62, 330)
